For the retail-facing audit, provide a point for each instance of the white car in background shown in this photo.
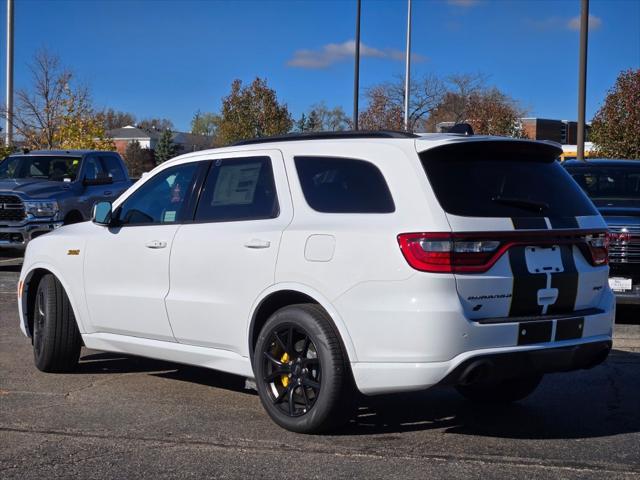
(319, 264)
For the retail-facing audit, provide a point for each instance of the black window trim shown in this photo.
(187, 210)
(200, 191)
(341, 157)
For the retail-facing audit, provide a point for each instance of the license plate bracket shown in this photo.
(534, 332)
(569, 329)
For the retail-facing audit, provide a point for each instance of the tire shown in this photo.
(56, 339)
(302, 374)
(505, 391)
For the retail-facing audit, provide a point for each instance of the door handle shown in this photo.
(155, 244)
(108, 193)
(257, 243)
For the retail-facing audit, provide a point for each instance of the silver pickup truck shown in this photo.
(43, 190)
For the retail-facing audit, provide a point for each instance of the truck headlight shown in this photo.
(45, 208)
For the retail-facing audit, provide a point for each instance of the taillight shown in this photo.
(445, 253)
(598, 244)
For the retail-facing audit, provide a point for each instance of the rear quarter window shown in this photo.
(503, 179)
(343, 185)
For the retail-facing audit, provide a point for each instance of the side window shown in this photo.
(343, 185)
(238, 189)
(93, 168)
(113, 167)
(161, 199)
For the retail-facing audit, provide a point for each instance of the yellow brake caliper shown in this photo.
(284, 378)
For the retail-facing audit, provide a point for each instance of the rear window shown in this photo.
(343, 185)
(503, 179)
(608, 183)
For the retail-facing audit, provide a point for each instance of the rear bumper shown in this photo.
(479, 365)
(498, 366)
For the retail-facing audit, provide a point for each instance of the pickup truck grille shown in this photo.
(625, 244)
(11, 208)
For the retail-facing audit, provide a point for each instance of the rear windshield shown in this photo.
(47, 167)
(503, 179)
(608, 183)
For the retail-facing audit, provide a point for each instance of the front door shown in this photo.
(127, 265)
(227, 257)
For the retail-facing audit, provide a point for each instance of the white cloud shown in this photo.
(463, 3)
(332, 53)
(594, 23)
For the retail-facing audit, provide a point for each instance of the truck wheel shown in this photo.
(505, 391)
(302, 375)
(56, 339)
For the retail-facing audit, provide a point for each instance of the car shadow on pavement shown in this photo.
(113, 363)
(585, 404)
(572, 405)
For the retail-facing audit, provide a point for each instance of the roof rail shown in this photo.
(291, 137)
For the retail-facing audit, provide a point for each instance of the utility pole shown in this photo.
(582, 76)
(356, 76)
(407, 70)
(9, 94)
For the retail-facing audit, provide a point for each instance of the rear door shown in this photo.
(226, 257)
(519, 220)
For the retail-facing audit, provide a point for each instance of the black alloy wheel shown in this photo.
(292, 370)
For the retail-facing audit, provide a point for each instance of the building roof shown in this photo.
(130, 133)
(180, 138)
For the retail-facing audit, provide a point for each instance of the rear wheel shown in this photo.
(505, 391)
(56, 339)
(301, 371)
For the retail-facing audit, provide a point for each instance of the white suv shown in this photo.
(385, 261)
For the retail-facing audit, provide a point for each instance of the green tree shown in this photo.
(133, 159)
(6, 151)
(79, 127)
(301, 124)
(615, 129)
(314, 122)
(165, 149)
(205, 123)
(252, 111)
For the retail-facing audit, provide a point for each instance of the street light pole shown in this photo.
(356, 75)
(407, 71)
(9, 94)
(582, 77)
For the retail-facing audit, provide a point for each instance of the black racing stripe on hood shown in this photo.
(529, 223)
(564, 222)
(566, 283)
(524, 295)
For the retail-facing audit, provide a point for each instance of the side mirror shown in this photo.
(97, 181)
(101, 213)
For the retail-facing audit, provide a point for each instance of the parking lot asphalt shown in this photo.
(128, 417)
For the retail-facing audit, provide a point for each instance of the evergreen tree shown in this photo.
(301, 125)
(133, 159)
(165, 149)
(314, 122)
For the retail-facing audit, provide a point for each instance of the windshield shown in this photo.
(608, 183)
(48, 167)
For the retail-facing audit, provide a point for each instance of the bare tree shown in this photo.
(40, 110)
(386, 103)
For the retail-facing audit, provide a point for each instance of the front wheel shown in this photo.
(301, 371)
(56, 339)
(505, 391)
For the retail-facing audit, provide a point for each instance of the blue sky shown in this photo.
(170, 58)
